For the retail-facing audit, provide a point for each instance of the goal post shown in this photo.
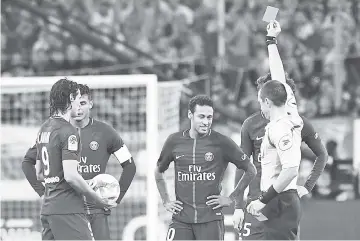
(143, 111)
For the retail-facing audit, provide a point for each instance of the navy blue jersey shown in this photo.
(58, 140)
(200, 165)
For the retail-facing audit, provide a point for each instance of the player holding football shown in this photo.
(280, 151)
(252, 133)
(98, 142)
(63, 214)
(201, 156)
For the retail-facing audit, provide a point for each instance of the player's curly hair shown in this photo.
(201, 100)
(85, 90)
(60, 95)
(263, 79)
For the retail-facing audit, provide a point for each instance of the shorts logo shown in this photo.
(72, 143)
(94, 145)
(209, 156)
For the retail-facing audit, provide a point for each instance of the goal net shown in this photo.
(143, 111)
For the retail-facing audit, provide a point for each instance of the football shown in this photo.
(106, 186)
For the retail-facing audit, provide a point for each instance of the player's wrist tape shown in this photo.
(270, 40)
(268, 195)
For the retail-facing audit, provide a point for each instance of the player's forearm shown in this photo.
(285, 177)
(239, 202)
(316, 171)
(161, 185)
(30, 174)
(276, 66)
(76, 181)
(238, 194)
(126, 178)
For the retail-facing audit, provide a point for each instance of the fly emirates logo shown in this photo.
(83, 167)
(195, 174)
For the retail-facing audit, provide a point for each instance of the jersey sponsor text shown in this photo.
(195, 174)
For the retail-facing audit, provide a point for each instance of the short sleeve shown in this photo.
(233, 153)
(31, 155)
(166, 155)
(246, 142)
(70, 143)
(308, 132)
(114, 140)
(288, 148)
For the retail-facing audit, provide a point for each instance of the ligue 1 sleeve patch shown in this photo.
(285, 142)
(72, 143)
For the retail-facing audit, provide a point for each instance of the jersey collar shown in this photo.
(186, 133)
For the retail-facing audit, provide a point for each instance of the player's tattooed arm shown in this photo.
(117, 147)
(128, 174)
(234, 154)
(313, 140)
(163, 163)
(28, 167)
(246, 147)
(166, 157)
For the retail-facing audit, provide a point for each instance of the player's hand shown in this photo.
(219, 201)
(302, 191)
(174, 207)
(110, 205)
(92, 183)
(255, 207)
(273, 28)
(238, 219)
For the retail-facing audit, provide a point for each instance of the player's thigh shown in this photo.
(179, 231)
(46, 230)
(100, 226)
(213, 230)
(252, 229)
(70, 227)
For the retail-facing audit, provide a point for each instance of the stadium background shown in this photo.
(208, 46)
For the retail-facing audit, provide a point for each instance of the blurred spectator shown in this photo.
(183, 36)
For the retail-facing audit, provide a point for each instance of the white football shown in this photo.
(107, 186)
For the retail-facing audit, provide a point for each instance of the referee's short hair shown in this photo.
(200, 100)
(275, 91)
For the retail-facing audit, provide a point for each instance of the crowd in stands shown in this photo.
(182, 37)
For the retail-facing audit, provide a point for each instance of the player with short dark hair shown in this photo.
(252, 133)
(58, 151)
(200, 156)
(98, 142)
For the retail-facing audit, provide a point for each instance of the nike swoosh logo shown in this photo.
(259, 138)
(177, 157)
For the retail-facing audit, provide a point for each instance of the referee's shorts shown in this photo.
(283, 213)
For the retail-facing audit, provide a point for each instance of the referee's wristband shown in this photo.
(268, 195)
(270, 40)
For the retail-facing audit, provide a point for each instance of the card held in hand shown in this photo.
(270, 14)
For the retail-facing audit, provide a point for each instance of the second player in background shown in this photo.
(98, 142)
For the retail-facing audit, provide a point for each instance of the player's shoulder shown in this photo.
(254, 121)
(280, 126)
(177, 135)
(220, 138)
(101, 124)
(57, 125)
(306, 122)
